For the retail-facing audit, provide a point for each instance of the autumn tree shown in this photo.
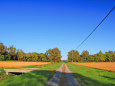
(54, 55)
(70, 56)
(20, 55)
(113, 56)
(12, 52)
(73, 55)
(28, 57)
(34, 56)
(43, 57)
(109, 56)
(100, 57)
(3, 50)
(85, 55)
(91, 58)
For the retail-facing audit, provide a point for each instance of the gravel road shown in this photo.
(63, 77)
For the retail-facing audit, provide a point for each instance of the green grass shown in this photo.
(1, 69)
(3, 76)
(31, 66)
(33, 78)
(92, 77)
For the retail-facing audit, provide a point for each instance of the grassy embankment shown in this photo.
(92, 77)
(33, 78)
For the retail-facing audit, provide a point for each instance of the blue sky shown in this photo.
(38, 25)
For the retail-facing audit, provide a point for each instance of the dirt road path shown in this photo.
(63, 77)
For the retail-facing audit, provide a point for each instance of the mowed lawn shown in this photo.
(33, 78)
(92, 77)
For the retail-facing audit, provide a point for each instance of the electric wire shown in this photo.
(95, 28)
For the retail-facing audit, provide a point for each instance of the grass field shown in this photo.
(109, 66)
(92, 77)
(34, 78)
(20, 64)
(16, 65)
(3, 76)
(1, 69)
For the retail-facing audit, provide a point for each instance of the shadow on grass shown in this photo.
(108, 77)
(34, 78)
(40, 77)
(85, 81)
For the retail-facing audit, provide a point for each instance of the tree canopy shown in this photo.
(54, 55)
(86, 57)
(11, 53)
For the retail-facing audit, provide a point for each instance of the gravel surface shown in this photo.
(54, 81)
(70, 78)
(63, 77)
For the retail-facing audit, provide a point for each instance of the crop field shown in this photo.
(109, 66)
(20, 64)
(92, 77)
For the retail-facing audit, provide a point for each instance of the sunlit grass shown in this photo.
(92, 77)
(33, 78)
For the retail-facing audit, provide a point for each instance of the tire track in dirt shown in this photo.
(63, 80)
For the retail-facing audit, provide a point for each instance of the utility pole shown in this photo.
(72, 56)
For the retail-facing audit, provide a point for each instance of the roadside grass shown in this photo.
(1, 69)
(51, 67)
(92, 77)
(3, 75)
(33, 78)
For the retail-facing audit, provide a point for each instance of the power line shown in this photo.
(95, 28)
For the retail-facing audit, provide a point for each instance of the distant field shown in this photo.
(110, 66)
(20, 64)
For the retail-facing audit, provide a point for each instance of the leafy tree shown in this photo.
(2, 48)
(1, 57)
(49, 54)
(43, 57)
(12, 52)
(76, 55)
(28, 57)
(70, 56)
(35, 56)
(101, 55)
(73, 55)
(20, 55)
(109, 56)
(54, 55)
(85, 55)
(113, 57)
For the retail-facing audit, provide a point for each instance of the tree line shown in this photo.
(11, 53)
(75, 56)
